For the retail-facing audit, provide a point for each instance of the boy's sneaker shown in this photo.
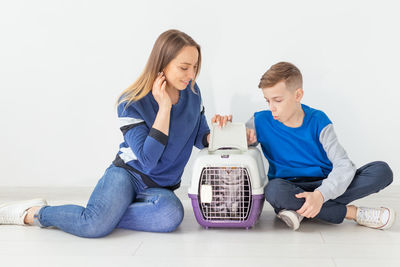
(15, 212)
(291, 218)
(378, 218)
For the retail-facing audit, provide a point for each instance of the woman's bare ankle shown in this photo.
(30, 213)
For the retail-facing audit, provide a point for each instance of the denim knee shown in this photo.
(88, 224)
(170, 210)
(384, 173)
(270, 190)
(276, 192)
(95, 229)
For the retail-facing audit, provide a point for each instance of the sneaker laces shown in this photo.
(11, 216)
(370, 215)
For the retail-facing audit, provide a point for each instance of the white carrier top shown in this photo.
(233, 135)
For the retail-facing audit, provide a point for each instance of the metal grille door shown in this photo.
(225, 194)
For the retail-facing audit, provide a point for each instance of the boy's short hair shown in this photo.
(282, 71)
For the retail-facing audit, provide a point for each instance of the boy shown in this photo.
(310, 174)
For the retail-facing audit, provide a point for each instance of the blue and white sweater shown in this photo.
(158, 158)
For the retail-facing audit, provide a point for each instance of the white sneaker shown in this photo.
(15, 212)
(378, 218)
(291, 218)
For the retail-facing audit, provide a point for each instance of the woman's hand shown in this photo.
(221, 120)
(159, 92)
(164, 102)
(251, 136)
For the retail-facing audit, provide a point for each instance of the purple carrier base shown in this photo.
(256, 208)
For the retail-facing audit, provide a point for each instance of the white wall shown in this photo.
(63, 64)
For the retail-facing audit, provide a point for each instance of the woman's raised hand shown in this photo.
(221, 120)
(159, 92)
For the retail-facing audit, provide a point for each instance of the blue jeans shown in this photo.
(119, 200)
(370, 178)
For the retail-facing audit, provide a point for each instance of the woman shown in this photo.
(161, 117)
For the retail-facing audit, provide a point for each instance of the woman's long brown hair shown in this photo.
(165, 49)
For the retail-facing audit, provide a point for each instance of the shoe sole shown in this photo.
(290, 219)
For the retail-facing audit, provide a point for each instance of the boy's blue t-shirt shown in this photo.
(293, 152)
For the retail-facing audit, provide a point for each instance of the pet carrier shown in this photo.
(227, 188)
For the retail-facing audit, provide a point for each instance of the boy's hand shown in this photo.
(313, 204)
(251, 136)
(221, 120)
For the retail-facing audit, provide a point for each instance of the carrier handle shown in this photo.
(232, 135)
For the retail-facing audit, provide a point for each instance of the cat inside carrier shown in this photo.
(228, 180)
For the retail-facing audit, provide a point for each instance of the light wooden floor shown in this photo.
(269, 243)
